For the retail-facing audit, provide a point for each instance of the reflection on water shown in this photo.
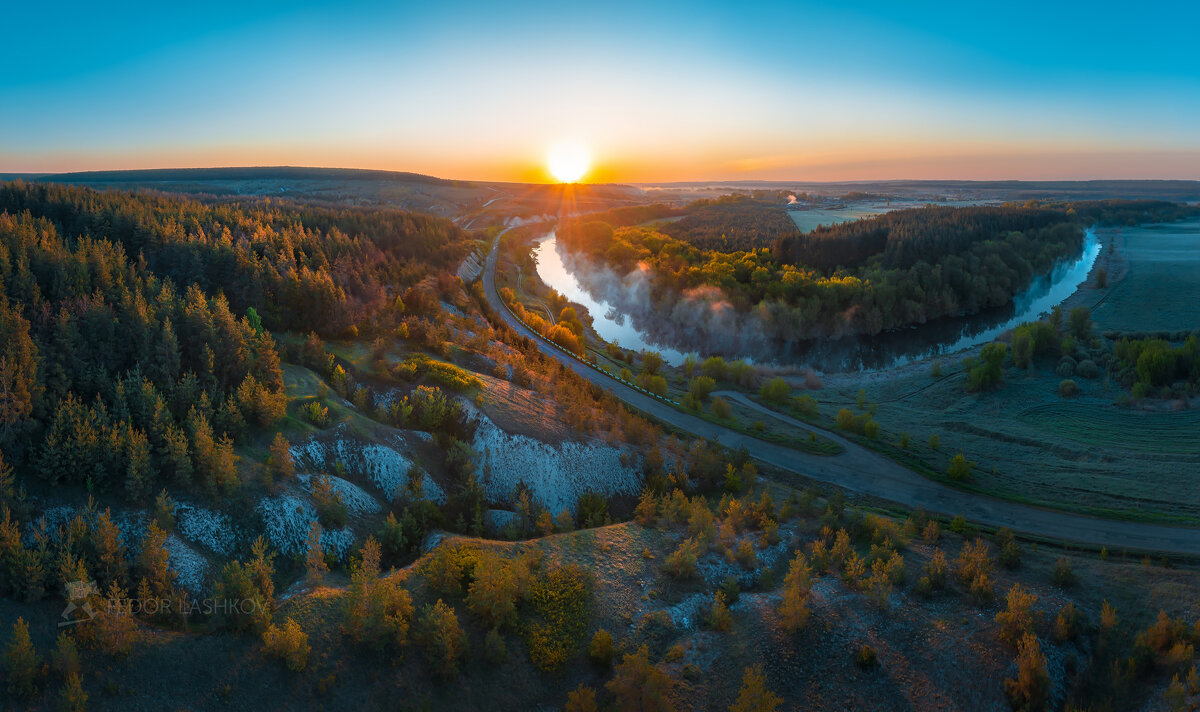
(610, 324)
(861, 353)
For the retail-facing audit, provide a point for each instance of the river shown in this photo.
(857, 353)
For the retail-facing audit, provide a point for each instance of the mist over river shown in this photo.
(613, 302)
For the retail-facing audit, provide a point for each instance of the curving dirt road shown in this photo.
(859, 469)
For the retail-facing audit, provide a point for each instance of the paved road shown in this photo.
(860, 469)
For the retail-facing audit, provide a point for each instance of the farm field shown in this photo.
(1161, 290)
(809, 220)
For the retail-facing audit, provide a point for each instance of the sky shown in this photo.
(656, 91)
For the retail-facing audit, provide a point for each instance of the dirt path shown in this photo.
(859, 469)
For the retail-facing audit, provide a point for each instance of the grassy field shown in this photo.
(1028, 444)
(1127, 429)
(1162, 288)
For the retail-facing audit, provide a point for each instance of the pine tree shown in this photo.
(73, 698)
(794, 611)
(280, 459)
(754, 695)
(138, 473)
(444, 641)
(110, 552)
(21, 661)
(7, 482)
(65, 658)
(154, 562)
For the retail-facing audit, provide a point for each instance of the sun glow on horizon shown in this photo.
(568, 161)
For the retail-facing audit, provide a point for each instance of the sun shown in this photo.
(568, 161)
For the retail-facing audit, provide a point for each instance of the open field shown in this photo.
(1128, 429)
(1161, 290)
(1028, 444)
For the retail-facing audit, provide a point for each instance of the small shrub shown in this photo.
(289, 643)
(719, 617)
(1067, 624)
(602, 650)
(935, 442)
(866, 658)
(1087, 369)
(316, 414)
(561, 600)
(1063, 575)
(960, 469)
(681, 563)
(721, 408)
(776, 391)
(1068, 388)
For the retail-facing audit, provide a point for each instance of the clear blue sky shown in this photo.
(682, 91)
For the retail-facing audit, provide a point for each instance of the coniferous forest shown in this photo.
(135, 330)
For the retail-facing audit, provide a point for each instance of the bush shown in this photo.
(1087, 368)
(806, 405)
(1066, 367)
(602, 649)
(1068, 388)
(700, 387)
(775, 391)
(1063, 575)
(288, 643)
(960, 469)
(1067, 624)
(721, 408)
(866, 657)
(681, 563)
(561, 601)
(316, 413)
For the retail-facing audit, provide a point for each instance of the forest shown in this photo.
(732, 223)
(904, 267)
(135, 342)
